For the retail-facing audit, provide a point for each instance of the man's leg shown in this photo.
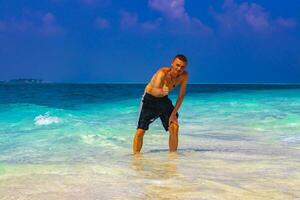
(138, 140)
(173, 137)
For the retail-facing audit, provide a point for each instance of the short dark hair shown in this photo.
(181, 57)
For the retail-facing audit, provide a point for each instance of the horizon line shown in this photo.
(192, 83)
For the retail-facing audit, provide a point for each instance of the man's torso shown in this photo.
(167, 81)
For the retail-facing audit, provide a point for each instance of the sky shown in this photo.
(95, 41)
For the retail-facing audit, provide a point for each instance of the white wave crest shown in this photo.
(292, 139)
(46, 120)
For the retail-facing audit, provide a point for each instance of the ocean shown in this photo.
(74, 141)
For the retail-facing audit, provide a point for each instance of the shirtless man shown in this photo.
(155, 102)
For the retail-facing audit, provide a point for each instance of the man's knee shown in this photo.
(140, 132)
(173, 128)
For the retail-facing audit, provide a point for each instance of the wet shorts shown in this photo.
(153, 107)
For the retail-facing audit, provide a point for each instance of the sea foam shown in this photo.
(46, 119)
(292, 139)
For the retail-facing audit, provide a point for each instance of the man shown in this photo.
(155, 102)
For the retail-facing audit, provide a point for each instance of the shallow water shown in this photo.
(67, 141)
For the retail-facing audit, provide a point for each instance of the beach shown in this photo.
(74, 141)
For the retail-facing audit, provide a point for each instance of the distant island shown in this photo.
(24, 80)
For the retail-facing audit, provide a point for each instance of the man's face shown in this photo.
(178, 66)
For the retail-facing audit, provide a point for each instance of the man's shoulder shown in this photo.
(185, 74)
(163, 70)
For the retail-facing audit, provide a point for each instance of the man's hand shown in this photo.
(173, 119)
(165, 90)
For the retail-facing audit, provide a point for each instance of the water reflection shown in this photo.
(151, 167)
(158, 176)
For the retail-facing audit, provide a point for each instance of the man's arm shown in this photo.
(181, 94)
(157, 84)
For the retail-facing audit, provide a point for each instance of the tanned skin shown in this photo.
(163, 82)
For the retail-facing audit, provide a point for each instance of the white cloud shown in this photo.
(240, 16)
(175, 14)
(32, 22)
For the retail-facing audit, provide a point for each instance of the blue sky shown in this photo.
(227, 41)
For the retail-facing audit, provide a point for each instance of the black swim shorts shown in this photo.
(153, 107)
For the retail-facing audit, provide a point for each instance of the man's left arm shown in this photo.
(180, 97)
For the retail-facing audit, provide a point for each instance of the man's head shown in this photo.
(179, 64)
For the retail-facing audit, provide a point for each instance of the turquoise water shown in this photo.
(64, 141)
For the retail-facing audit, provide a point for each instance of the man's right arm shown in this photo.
(157, 84)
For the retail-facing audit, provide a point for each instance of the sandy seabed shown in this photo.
(216, 171)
